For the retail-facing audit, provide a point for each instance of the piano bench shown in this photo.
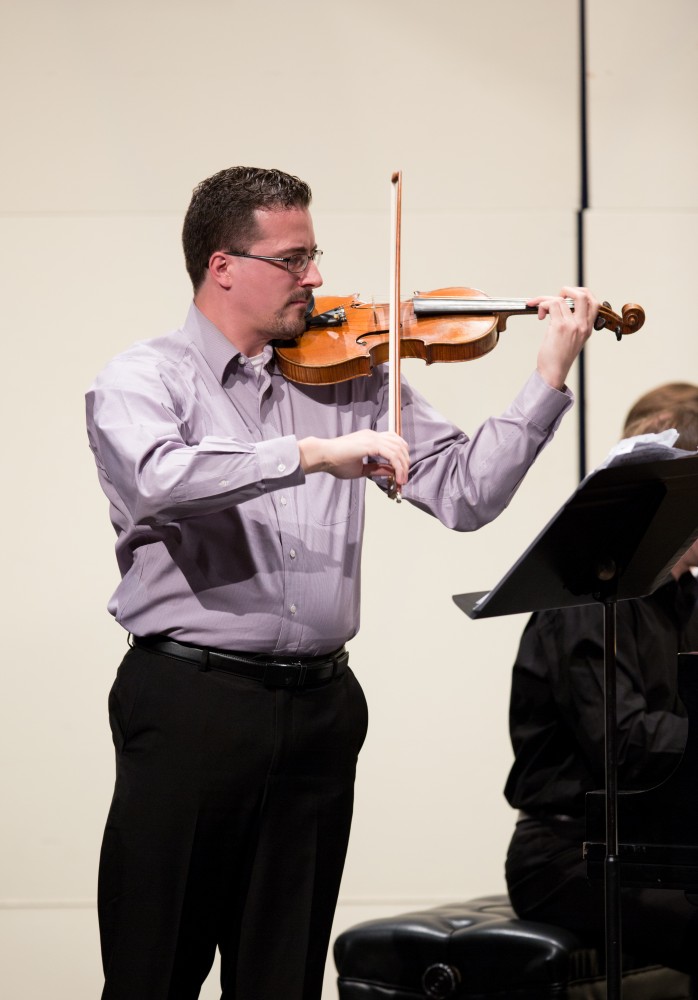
(481, 951)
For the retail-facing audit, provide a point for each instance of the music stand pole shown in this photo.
(614, 972)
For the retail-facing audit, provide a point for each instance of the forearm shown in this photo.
(361, 453)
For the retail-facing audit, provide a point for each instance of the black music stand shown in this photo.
(615, 539)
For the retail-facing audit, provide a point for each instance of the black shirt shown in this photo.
(556, 716)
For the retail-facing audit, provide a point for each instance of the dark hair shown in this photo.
(672, 405)
(221, 212)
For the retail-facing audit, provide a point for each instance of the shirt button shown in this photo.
(223, 482)
(293, 609)
(292, 553)
(281, 467)
(283, 501)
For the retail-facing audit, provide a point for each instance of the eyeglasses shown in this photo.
(296, 263)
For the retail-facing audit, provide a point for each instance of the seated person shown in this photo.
(557, 731)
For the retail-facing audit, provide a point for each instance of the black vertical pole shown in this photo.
(612, 884)
(583, 205)
(614, 975)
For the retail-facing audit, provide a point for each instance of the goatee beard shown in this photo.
(284, 333)
(287, 327)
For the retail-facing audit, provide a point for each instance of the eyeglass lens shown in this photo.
(300, 261)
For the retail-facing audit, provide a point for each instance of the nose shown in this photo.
(311, 277)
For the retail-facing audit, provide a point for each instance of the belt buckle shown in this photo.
(284, 675)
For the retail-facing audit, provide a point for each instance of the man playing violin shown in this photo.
(237, 498)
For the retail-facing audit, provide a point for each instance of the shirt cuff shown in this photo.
(280, 459)
(540, 403)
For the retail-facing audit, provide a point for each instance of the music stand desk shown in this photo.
(615, 539)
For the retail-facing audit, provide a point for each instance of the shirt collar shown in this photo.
(219, 353)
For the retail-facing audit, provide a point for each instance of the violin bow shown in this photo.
(394, 403)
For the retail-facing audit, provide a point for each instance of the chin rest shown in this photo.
(480, 950)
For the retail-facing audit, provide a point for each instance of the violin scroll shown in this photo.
(632, 319)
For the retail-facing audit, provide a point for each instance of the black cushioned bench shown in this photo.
(481, 951)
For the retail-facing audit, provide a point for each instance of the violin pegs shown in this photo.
(600, 321)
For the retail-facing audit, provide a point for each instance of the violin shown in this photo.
(346, 337)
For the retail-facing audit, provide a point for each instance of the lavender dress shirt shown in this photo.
(222, 540)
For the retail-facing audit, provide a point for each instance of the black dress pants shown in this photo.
(228, 829)
(546, 878)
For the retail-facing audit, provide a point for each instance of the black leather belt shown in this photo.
(272, 671)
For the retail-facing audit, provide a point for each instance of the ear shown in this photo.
(219, 269)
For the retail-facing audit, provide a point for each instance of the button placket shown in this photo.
(291, 554)
(287, 519)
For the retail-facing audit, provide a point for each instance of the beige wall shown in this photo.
(111, 113)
